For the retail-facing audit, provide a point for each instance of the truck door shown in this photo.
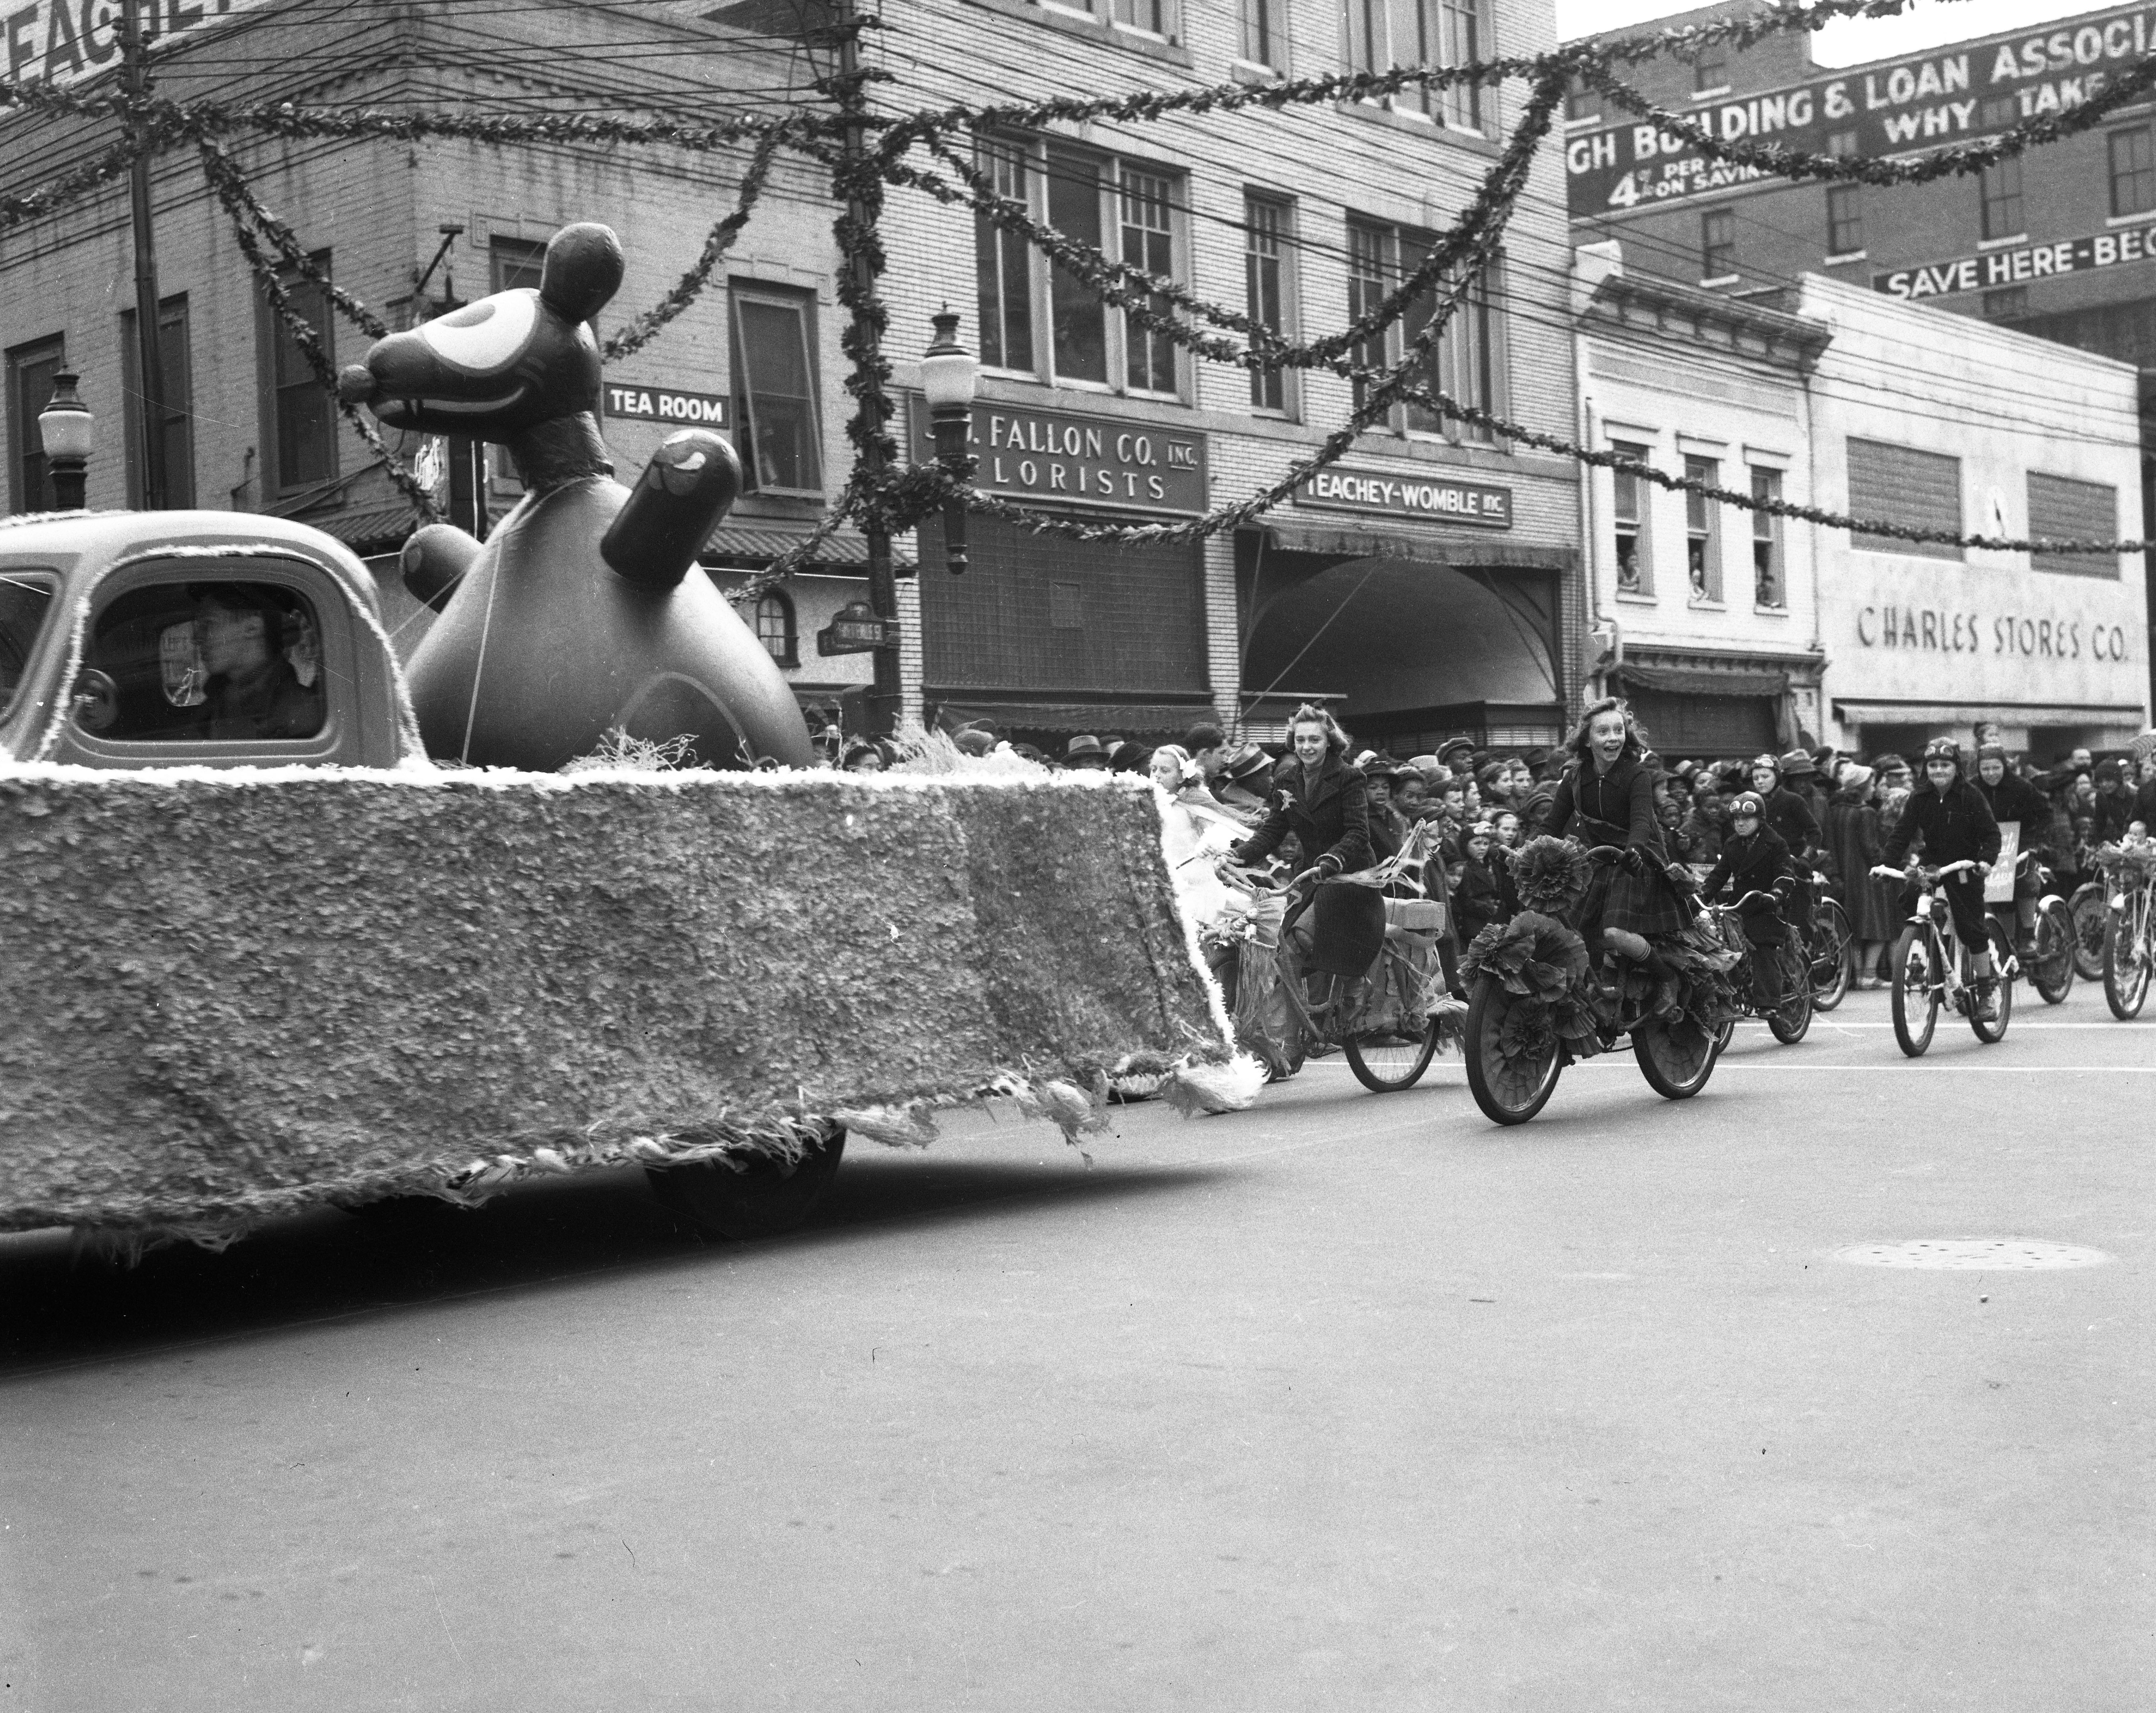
(221, 662)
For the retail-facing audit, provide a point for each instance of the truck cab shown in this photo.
(193, 639)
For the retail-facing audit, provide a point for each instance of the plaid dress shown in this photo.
(1617, 808)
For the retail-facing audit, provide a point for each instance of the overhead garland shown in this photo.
(884, 489)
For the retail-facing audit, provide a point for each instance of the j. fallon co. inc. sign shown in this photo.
(1425, 499)
(1071, 458)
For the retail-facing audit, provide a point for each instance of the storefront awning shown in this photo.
(751, 546)
(1678, 681)
(366, 529)
(1886, 713)
(1332, 539)
(1131, 718)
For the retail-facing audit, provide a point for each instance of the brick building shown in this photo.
(2060, 243)
(248, 428)
(1431, 584)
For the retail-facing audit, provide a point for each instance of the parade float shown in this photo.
(305, 925)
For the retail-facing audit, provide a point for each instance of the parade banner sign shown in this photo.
(1998, 883)
(1949, 95)
(1989, 269)
(1421, 499)
(1075, 459)
(61, 41)
(234, 995)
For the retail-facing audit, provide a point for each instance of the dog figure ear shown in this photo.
(583, 269)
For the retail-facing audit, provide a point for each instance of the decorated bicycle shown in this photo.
(1608, 945)
(1774, 972)
(2129, 940)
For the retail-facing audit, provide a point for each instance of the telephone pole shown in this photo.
(149, 345)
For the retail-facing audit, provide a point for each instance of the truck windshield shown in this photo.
(26, 601)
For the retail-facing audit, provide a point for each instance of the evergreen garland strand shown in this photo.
(690, 287)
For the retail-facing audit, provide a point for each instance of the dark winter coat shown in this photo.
(1790, 815)
(1477, 897)
(1854, 835)
(1750, 864)
(1618, 808)
(1956, 827)
(2014, 799)
(1328, 813)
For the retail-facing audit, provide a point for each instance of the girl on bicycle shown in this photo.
(1607, 800)
(1956, 825)
(1755, 863)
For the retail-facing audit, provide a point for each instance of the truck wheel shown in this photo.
(765, 1196)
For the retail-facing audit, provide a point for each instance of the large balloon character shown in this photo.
(583, 612)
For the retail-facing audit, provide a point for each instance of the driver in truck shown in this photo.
(253, 691)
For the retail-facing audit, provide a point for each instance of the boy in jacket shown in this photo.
(1956, 825)
(1755, 859)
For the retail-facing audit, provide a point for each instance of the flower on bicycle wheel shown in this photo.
(1532, 955)
(1550, 874)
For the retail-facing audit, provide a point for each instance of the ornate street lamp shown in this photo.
(68, 434)
(948, 373)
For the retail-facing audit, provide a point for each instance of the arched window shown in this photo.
(774, 627)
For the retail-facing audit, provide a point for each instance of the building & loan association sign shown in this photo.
(1392, 494)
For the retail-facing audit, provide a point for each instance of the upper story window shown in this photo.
(1717, 243)
(1383, 33)
(1629, 514)
(1128, 210)
(515, 262)
(302, 437)
(1999, 189)
(1767, 588)
(1710, 68)
(1262, 40)
(1268, 278)
(1703, 529)
(175, 404)
(1150, 17)
(30, 371)
(778, 431)
(1467, 362)
(2132, 171)
(1845, 220)
(1920, 488)
(2061, 509)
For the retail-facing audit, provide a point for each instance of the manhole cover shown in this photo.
(1969, 1254)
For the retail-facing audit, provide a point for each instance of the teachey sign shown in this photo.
(61, 41)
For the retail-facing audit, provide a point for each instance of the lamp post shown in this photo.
(947, 375)
(68, 433)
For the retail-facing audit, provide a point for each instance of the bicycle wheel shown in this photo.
(1513, 1054)
(2089, 918)
(1916, 995)
(1992, 1030)
(1384, 1064)
(1791, 1019)
(1677, 1059)
(2125, 959)
(2052, 970)
(1831, 949)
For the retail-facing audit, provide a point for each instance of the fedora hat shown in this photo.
(1085, 744)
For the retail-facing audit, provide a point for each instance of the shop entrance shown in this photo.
(1406, 647)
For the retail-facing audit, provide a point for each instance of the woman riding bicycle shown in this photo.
(2011, 799)
(1957, 826)
(1607, 800)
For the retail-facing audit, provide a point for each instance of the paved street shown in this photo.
(1348, 1402)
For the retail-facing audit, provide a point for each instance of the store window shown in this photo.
(1703, 529)
(30, 371)
(2132, 171)
(774, 627)
(1845, 220)
(1263, 33)
(1132, 212)
(1267, 277)
(213, 659)
(1630, 513)
(774, 367)
(1718, 244)
(302, 426)
(1767, 587)
(2063, 509)
(1919, 489)
(176, 418)
(1999, 191)
(1468, 361)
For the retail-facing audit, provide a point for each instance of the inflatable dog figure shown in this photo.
(579, 614)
